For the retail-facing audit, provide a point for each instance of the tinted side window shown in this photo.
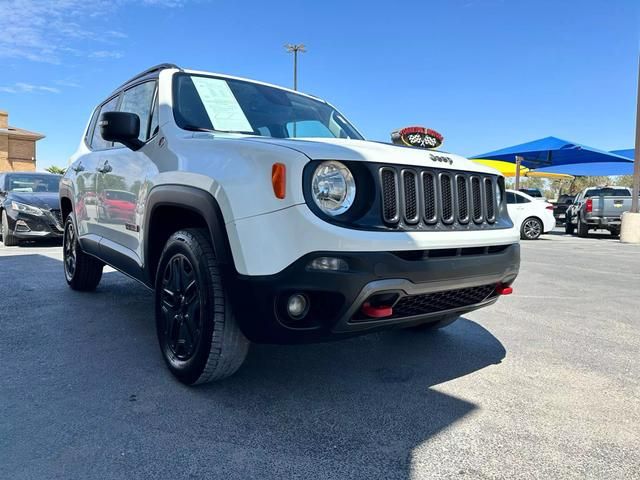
(97, 142)
(511, 198)
(138, 100)
(521, 199)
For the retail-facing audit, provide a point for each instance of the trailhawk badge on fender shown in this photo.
(420, 137)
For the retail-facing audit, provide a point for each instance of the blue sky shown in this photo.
(484, 73)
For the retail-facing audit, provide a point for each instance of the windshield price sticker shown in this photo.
(221, 105)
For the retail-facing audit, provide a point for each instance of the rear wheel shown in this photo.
(8, 239)
(198, 334)
(82, 272)
(435, 324)
(583, 228)
(531, 229)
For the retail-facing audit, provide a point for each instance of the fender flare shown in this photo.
(198, 201)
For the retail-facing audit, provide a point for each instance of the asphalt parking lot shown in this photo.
(544, 384)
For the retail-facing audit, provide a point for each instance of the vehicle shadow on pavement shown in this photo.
(87, 389)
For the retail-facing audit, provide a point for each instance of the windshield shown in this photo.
(608, 192)
(29, 183)
(211, 103)
(532, 192)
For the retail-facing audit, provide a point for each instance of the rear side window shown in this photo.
(521, 199)
(608, 192)
(97, 142)
(511, 198)
(139, 100)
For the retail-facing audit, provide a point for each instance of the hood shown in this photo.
(366, 151)
(44, 200)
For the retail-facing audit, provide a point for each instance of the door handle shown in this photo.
(105, 168)
(78, 168)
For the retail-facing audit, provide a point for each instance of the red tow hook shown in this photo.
(380, 311)
(503, 289)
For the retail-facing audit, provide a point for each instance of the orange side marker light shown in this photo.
(279, 179)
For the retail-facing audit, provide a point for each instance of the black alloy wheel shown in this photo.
(82, 272)
(180, 306)
(69, 249)
(199, 336)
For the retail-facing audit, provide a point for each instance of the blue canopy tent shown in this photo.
(551, 152)
(597, 168)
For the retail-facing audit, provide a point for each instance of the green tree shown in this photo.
(625, 181)
(56, 170)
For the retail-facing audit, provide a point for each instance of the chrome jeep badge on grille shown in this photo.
(416, 136)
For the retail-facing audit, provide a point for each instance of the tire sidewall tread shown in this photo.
(225, 347)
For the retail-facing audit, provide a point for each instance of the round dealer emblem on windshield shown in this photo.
(420, 137)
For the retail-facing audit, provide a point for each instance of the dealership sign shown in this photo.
(417, 137)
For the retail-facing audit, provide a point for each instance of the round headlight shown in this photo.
(333, 188)
(498, 194)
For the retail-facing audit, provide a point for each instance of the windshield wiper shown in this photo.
(194, 128)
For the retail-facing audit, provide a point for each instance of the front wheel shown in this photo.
(82, 272)
(8, 239)
(568, 226)
(531, 229)
(198, 334)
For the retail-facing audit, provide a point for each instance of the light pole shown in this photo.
(295, 48)
(630, 228)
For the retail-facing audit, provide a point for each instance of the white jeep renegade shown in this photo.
(257, 213)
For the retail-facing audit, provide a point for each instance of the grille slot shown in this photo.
(389, 195)
(425, 198)
(412, 305)
(489, 199)
(410, 184)
(429, 195)
(446, 198)
(463, 199)
(476, 198)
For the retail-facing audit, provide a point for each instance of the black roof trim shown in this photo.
(148, 72)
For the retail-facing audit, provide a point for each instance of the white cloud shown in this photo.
(67, 83)
(105, 54)
(49, 30)
(21, 87)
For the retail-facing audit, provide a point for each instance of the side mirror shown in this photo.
(123, 127)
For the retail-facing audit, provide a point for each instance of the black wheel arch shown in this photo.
(194, 207)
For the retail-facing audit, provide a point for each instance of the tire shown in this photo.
(433, 325)
(583, 228)
(615, 232)
(199, 337)
(569, 227)
(531, 229)
(82, 272)
(8, 239)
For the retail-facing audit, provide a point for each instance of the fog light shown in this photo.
(297, 306)
(328, 263)
(21, 226)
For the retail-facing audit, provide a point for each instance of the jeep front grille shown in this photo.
(426, 199)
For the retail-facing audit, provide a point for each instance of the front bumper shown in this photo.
(25, 226)
(443, 281)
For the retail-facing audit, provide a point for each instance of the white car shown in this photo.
(531, 216)
(260, 214)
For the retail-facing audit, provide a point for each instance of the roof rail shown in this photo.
(148, 71)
